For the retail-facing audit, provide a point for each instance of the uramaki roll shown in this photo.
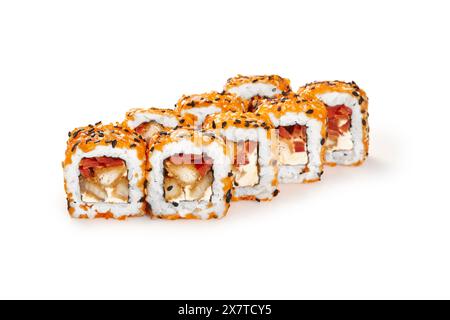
(249, 140)
(301, 124)
(348, 125)
(104, 172)
(189, 176)
(253, 88)
(199, 106)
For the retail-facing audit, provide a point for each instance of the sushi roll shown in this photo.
(301, 124)
(149, 122)
(254, 88)
(199, 106)
(189, 176)
(348, 126)
(249, 140)
(104, 172)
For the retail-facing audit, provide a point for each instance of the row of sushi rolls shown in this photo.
(194, 160)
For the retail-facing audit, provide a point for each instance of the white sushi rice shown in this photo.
(200, 209)
(346, 157)
(296, 174)
(250, 90)
(135, 174)
(201, 113)
(168, 121)
(265, 188)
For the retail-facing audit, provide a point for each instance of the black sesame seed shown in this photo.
(76, 133)
(247, 124)
(355, 93)
(133, 145)
(214, 125)
(364, 122)
(310, 111)
(230, 174)
(322, 142)
(175, 204)
(229, 196)
(276, 192)
(114, 143)
(279, 109)
(361, 100)
(237, 121)
(75, 146)
(169, 188)
(224, 124)
(98, 123)
(182, 121)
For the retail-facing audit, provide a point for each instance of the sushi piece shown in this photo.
(301, 124)
(199, 106)
(149, 122)
(249, 140)
(189, 176)
(254, 88)
(104, 172)
(348, 125)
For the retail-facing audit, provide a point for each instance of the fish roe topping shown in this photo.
(295, 103)
(113, 135)
(244, 120)
(223, 100)
(321, 87)
(280, 83)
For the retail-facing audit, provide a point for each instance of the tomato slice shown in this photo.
(284, 133)
(110, 162)
(86, 172)
(299, 132)
(299, 146)
(203, 168)
(336, 115)
(89, 163)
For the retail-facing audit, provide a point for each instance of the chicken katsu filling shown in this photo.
(148, 130)
(104, 179)
(188, 177)
(292, 145)
(245, 166)
(339, 123)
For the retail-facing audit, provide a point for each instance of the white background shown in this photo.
(381, 230)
